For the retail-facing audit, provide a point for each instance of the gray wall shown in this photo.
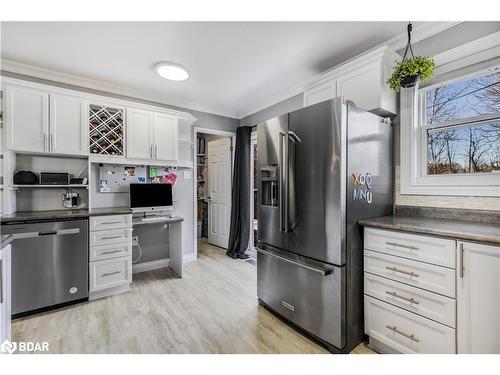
(448, 39)
(288, 105)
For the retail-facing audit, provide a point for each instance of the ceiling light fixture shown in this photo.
(172, 71)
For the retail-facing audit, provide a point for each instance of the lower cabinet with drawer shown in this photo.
(110, 266)
(410, 292)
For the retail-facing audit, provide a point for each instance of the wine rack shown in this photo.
(106, 130)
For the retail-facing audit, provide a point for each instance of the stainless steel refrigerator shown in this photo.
(321, 169)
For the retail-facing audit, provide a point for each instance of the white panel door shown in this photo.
(139, 134)
(5, 296)
(68, 125)
(27, 118)
(165, 137)
(478, 298)
(219, 191)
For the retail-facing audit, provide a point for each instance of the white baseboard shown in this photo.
(186, 258)
(149, 266)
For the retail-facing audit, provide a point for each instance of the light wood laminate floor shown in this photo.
(212, 309)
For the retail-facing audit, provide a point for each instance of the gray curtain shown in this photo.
(239, 232)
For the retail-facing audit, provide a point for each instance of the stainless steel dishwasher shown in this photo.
(49, 264)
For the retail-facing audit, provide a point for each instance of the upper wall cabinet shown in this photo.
(27, 119)
(139, 134)
(31, 129)
(361, 80)
(67, 127)
(166, 136)
(151, 135)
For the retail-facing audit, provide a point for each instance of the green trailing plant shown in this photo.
(420, 68)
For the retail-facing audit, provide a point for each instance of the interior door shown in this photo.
(139, 134)
(27, 112)
(165, 137)
(68, 125)
(219, 191)
(5, 291)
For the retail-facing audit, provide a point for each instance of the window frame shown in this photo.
(414, 177)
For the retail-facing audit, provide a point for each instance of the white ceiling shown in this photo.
(235, 67)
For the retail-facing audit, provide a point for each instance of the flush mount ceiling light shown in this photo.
(172, 71)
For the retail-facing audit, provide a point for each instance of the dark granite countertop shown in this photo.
(30, 216)
(459, 229)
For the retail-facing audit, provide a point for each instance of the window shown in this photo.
(450, 130)
(461, 126)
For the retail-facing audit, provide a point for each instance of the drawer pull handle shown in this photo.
(396, 330)
(394, 294)
(401, 245)
(401, 271)
(110, 222)
(111, 238)
(111, 252)
(110, 273)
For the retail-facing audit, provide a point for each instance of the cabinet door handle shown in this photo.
(110, 273)
(156, 151)
(111, 252)
(402, 271)
(461, 260)
(401, 245)
(111, 238)
(396, 330)
(407, 299)
(51, 143)
(45, 148)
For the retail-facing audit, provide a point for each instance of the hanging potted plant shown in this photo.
(411, 71)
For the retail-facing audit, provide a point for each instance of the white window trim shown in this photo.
(413, 138)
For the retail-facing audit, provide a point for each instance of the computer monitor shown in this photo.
(150, 197)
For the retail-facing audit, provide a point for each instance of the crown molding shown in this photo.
(33, 71)
(419, 33)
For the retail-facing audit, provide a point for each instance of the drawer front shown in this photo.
(430, 305)
(431, 250)
(110, 273)
(111, 237)
(406, 332)
(421, 275)
(312, 300)
(110, 222)
(110, 251)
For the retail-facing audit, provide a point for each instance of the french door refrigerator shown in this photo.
(320, 169)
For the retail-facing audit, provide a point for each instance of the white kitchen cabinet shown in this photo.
(5, 297)
(68, 133)
(27, 119)
(362, 80)
(31, 129)
(478, 298)
(165, 137)
(139, 133)
(151, 135)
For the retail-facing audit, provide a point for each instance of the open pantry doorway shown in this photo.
(213, 170)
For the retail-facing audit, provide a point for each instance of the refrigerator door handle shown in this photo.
(321, 271)
(283, 167)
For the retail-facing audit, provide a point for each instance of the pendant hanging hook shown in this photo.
(409, 29)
